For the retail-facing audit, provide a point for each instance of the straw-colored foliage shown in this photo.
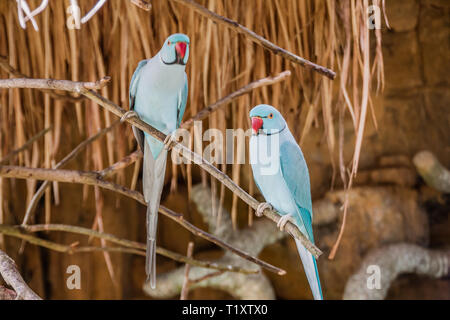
(330, 33)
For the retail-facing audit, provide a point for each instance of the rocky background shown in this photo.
(388, 204)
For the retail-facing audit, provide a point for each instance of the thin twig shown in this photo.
(182, 150)
(185, 288)
(19, 232)
(125, 162)
(205, 277)
(12, 71)
(66, 85)
(94, 178)
(204, 113)
(257, 38)
(25, 145)
(205, 235)
(37, 196)
(12, 277)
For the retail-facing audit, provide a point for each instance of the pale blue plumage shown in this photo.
(158, 94)
(281, 174)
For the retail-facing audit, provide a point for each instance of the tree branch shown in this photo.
(147, 6)
(81, 87)
(95, 178)
(122, 164)
(12, 277)
(185, 288)
(26, 145)
(204, 113)
(253, 240)
(12, 71)
(133, 247)
(257, 38)
(37, 196)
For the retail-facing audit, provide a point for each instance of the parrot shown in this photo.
(158, 96)
(282, 177)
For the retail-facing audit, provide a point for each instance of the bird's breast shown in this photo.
(157, 100)
(267, 173)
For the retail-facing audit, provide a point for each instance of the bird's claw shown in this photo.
(129, 114)
(261, 207)
(168, 140)
(281, 224)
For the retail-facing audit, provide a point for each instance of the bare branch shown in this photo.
(182, 150)
(125, 162)
(240, 92)
(12, 277)
(95, 178)
(257, 38)
(66, 85)
(25, 145)
(203, 114)
(37, 196)
(185, 288)
(205, 235)
(205, 277)
(253, 240)
(139, 248)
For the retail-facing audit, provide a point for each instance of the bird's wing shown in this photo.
(296, 176)
(134, 84)
(182, 100)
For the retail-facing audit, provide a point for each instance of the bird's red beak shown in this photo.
(257, 123)
(181, 49)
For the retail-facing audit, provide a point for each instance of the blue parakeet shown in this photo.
(158, 95)
(281, 174)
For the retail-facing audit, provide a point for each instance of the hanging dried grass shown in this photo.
(332, 34)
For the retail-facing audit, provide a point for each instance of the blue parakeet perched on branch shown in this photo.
(281, 174)
(158, 95)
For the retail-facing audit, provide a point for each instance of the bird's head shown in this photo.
(175, 50)
(267, 119)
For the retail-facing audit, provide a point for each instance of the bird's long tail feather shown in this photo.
(153, 180)
(310, 266)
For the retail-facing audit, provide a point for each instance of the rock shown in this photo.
(376, 216)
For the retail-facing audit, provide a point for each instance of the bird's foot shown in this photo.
(283, 220)
(261, 207)
(129, 114)
(169, 139)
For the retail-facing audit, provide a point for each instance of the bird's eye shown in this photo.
(270, 116)
(169, 43)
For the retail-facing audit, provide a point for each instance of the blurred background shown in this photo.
(404, 67)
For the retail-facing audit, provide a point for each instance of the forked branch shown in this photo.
(83, 88)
